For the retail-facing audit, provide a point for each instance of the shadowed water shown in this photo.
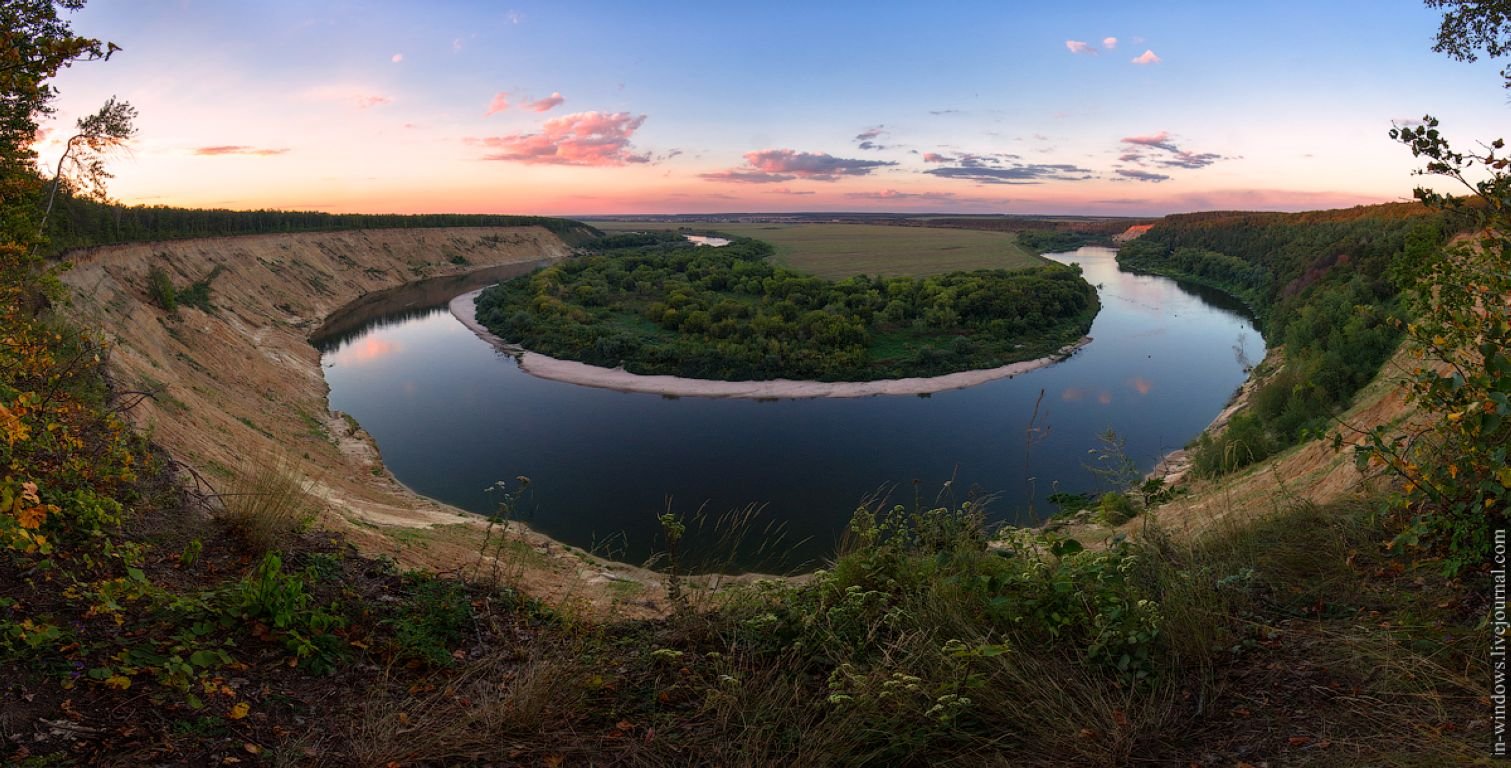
(452, 416)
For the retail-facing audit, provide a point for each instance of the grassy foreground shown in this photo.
(838, 251)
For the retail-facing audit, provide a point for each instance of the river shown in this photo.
(453, 416)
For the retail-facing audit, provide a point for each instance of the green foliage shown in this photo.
(1324, 285)
(1057, 241)
(1455, 467)
(283, 601)
(197, 295)
(1114, 509)
(79, 222)
(1471, 26)
(658, 305)
(160, 289)
(428, 623)
(1241, 443)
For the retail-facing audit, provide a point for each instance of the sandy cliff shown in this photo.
(244, 381)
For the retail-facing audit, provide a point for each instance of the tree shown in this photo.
(1470, 26)
(82, 164)
(34, 45)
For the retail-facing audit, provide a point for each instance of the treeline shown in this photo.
(79, 222)
(655, 304)
(1060, 240)
(1324, 284)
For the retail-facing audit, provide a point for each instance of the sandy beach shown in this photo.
(535, 364)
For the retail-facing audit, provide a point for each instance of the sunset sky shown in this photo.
(581, 108)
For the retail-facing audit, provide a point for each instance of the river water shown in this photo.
(452, 416)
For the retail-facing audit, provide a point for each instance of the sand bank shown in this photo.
(535, 364)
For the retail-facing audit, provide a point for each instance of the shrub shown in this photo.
(160, 289)
(1114, 509)
(267, 502)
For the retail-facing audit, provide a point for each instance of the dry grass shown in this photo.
(499, 707)
(268, 501)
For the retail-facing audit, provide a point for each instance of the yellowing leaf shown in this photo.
(118, 682)
(31, 518)
(239, 711)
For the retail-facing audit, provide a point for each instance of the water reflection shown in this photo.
(452, 416)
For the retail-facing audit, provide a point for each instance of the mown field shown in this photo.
(837, 251)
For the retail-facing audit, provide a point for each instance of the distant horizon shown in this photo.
(467, 106)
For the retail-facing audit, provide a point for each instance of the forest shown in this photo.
(1325, 284)
(82, 222)
(655, 304)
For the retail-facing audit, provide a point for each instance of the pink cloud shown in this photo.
(1079, 47)
(737, 176)
(1110, 43)
(239, 149)
(1147, 57)
(546, 104)
(935, 157)
(398, 57)
(364, 102)
(584, 138)
(500, 103)
(1161, 140)
(816, 166)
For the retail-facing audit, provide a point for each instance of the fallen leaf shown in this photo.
(239, 711)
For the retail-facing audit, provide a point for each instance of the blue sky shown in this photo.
(672, 107)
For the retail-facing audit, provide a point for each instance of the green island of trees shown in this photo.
(656, 304)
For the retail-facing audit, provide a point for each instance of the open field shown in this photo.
(837, 251)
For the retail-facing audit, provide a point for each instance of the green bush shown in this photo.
(160, 289)
(283, 601)
(429, 623)
(1114, 509)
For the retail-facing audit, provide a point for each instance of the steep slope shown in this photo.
(242, 382)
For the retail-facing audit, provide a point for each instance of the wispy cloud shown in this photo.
(1173, 156)
(894, 195)
(584, 138)
(239, 149)
(398, 57)
(1080, 47)
(998, 169)
(1110, 43)
(1147, 57)
(737, 176)
(935, 157)
(500, 103)
(867, 139)
(772, 165)
(544, 105)
(1138, 175)
(372, 100)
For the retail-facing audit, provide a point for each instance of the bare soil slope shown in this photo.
(243, 381)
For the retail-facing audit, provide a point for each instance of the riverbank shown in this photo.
(463, 308)
(239, 386)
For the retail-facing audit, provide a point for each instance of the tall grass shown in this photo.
(268, 502)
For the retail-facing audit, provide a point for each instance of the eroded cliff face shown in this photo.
(242, 382)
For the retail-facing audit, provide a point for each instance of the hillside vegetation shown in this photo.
(1326, 286)
(656, 304)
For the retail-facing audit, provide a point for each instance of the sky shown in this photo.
(580, 108)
